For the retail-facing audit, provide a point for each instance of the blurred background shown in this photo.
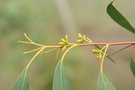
(46, 21)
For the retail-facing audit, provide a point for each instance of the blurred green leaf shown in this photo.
(132, 66)
(22, 82)
(119, 18)
(104, 83)
(60, 79)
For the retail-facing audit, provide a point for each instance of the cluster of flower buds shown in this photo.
(98, 52)
(64, 42)
(83, 38)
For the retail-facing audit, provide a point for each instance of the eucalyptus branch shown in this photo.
(94, 43)
(60, 81)
(82, 38)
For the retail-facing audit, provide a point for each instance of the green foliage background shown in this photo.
(41, 20)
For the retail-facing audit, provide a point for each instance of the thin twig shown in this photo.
(132, 51)
(120, 50)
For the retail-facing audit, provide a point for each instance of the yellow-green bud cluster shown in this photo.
(64, 41)
(82, 38)
(98, 52)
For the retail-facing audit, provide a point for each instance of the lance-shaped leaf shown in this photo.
(22, 82)
(132, 66)
(60, 81)
(119, 18)
(104, 83)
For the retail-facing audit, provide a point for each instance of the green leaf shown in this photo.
(132, 66)
(119, 18)
(60, 81)
(22, 82)
(104, 83)
(107, 56)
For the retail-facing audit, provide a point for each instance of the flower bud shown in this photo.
(96, 51)
(99, 56)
